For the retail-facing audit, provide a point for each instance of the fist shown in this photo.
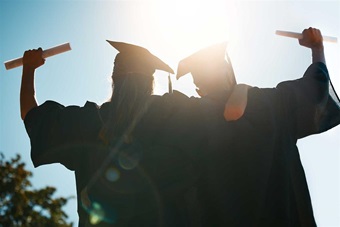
(312, 38)
(33, 58)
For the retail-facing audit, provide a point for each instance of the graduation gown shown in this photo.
(253, 174)
(188, 150)
(143, 183)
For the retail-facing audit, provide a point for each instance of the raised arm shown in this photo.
(315, 108)
(32, 59)
(312, 39)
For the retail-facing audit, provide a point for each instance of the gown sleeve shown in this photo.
(60, 134)
(273, 121)
(316, 105)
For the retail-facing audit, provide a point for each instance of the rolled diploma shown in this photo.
(46, 53)
(299, 36)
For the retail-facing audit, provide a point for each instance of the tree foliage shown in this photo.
(21, 205)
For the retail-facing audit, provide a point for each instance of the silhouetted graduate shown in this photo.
(146, 167)
(252, 175)
(129, 162)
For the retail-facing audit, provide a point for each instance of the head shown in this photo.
(130, 85)
(214, 78)
(211, 71)
(135, 59)
(132, 78)
(126, 63)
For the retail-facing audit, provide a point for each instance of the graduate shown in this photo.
(145, 160)
(129, 161)
(252, 175)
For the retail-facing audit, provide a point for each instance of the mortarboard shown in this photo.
(206, 61)
(137, 59)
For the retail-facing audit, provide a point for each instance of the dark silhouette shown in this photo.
(130, 163)
(226, 159)
(253, 175)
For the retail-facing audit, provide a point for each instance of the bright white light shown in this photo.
(190, 26)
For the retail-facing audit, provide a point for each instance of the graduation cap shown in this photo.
(207, 62)
(132, 58)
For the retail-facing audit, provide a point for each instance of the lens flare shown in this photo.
(112, 174)
(129, 160)
(97, 214)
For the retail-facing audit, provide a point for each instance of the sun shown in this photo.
(190, 25)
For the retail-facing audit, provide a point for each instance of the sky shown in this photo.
(171, 30)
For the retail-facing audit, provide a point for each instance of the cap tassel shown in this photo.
(169, 84)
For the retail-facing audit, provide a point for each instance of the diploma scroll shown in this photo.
(46, 53)
(299, 36)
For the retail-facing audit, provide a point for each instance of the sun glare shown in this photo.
(192, 25)
(195, 24)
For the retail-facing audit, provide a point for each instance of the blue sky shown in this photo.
(171, 30)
